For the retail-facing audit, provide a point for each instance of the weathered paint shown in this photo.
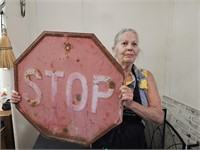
(54, 84)
(37, 74)
(84, 95)
(98, 94)
(70, 87)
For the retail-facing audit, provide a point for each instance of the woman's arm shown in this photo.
(154, 110)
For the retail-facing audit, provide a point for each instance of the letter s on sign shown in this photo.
(27, 74)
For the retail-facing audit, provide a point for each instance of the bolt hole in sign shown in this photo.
(69, 85)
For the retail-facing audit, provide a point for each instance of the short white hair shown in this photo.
(122, 31)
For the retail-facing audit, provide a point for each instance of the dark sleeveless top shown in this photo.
(127, 135)
(129, 115)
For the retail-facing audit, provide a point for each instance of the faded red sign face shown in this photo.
(69, 85)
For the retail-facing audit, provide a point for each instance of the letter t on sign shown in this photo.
(54, 81)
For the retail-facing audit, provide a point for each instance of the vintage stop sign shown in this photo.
(69, 85)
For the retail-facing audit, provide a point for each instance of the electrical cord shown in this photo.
(172, 138)
(157, 128)
(175, 144)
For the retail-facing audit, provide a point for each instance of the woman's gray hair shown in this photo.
(116, 39)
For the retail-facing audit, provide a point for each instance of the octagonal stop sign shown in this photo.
(69, 84)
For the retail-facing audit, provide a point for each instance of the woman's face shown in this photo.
(127, 48)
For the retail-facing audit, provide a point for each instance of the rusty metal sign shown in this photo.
(69, 85)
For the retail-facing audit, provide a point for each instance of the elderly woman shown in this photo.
(139, 96)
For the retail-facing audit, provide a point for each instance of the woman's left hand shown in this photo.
(126, 95)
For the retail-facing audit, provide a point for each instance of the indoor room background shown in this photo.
(168, 31)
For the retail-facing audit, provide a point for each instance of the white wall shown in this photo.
(198, 31)
(20, 33)
(182, 79)
(160, 24)
(106, 17)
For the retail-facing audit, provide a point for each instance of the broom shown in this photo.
(6, 54)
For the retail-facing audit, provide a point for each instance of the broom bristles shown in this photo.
(7, 56)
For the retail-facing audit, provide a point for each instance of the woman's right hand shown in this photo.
(15, 97)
